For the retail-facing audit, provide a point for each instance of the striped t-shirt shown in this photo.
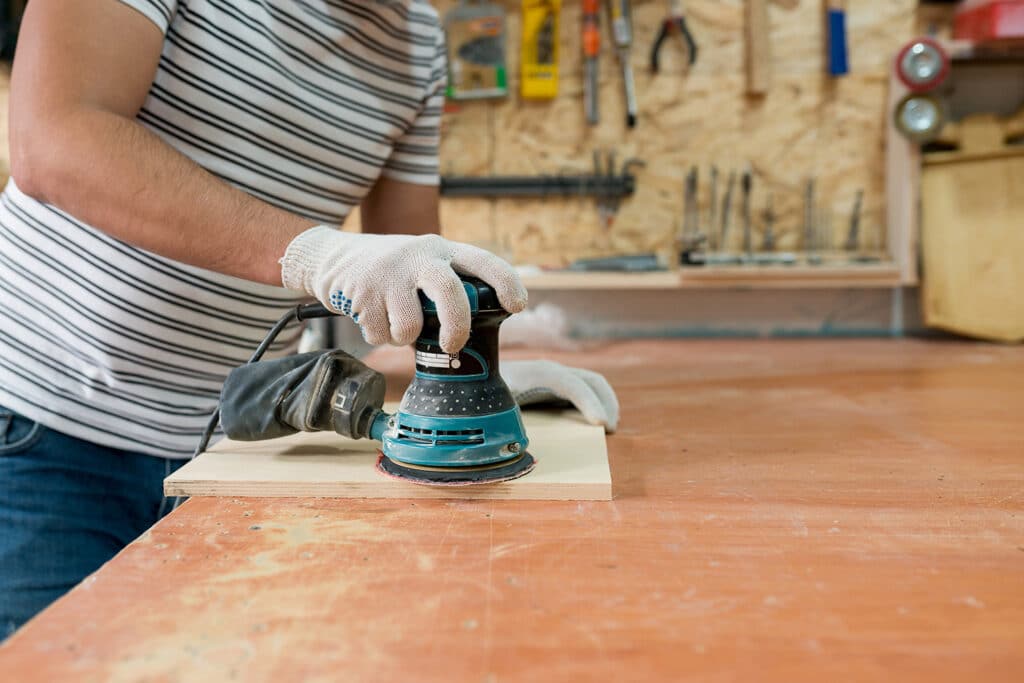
(302, 103)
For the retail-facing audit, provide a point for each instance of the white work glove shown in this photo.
(374, 278)
(540, 381)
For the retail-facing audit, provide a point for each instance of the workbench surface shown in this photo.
(784, 510)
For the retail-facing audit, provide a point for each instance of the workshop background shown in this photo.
(810, 131)
(807, 125)
(827, 239)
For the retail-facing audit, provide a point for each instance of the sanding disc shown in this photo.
(456, 476)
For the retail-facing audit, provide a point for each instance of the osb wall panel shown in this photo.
(808, 125)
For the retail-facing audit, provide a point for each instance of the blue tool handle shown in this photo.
(837, 63)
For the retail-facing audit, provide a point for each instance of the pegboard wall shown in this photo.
(808, 125)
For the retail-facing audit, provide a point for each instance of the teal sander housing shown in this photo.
(457, 423)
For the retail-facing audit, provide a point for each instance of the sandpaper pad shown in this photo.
(456, 476)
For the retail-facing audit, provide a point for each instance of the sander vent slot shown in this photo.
(447, 437)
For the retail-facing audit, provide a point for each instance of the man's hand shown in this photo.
(375, 278)
(544, 381)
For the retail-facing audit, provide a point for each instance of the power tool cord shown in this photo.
(299, 313)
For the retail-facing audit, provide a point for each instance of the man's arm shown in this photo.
(395, 207)
(83, 70)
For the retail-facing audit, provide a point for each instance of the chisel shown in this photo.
(746, 184)
(853, 235)
(690, 211)
(769, 226)
(713, 205)
(809, 216)
(726, 210)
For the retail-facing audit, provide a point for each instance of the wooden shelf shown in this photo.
(726, 277)
(555, 280)
(791, 277)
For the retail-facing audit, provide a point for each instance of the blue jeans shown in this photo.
(66, 507)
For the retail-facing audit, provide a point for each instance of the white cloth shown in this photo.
(375, 278)
(542, 327)
(539, 381)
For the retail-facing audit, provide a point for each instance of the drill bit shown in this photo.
(713, 204)
(853, 236)
(809, 216)
(690, 229)
(768, 243)
(727, 209)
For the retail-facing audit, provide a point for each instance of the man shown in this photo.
(174, 163)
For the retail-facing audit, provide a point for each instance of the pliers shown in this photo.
(675, 21)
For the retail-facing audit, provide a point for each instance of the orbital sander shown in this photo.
(457, 424)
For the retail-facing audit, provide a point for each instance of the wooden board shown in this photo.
(572, 464)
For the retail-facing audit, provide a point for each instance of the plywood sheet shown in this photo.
(572, 464)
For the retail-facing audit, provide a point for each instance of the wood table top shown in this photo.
(784, 510)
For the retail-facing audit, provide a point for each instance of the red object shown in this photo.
(921, 83)
(591, 29)
(993, 21)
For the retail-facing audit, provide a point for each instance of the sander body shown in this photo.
(457, 423)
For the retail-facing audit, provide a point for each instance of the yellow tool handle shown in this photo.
(538, 72)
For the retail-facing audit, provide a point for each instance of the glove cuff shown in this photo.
(304, 255)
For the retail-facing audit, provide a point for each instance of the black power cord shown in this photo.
(299, 313)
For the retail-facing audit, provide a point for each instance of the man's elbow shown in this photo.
(30, 159)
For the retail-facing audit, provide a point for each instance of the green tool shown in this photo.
(475, 34)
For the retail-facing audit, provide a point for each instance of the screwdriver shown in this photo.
(620, 13)
(853, 236)
(591, 50)
(713, 205)
(769, 226)
(746, 184)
